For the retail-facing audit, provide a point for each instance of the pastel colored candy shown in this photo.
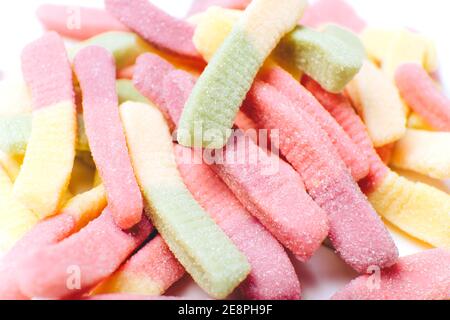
(10, 164)
(51, 147)
(421, 94)
(94, 67)
(150, 271)
(423, 276)
(206, 253)
(155, 26)
(264, 203)
(90, 256)
(330, 60)
(126, 91)
(15, 97)
(304, 100)
(74, 216)
(77, 22)
(424, 152)
(124, 46)
(15, 132)
(333, 11)
(272, 276)
(391, 48)
(417, 122)
(211, 109)
(356, 231)
(416, 208)
(379, 104)
(202, 5)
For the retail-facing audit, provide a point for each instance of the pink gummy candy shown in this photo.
(96, 73)
(303, 100)
(278, 199)
(47, 71)
(333, 11)
(202, 5)
(77, 22)
(341, 109)
(422, 95)
(356, 231)
(79, 262)
(272, 276)
(423, 276)
(154, 25)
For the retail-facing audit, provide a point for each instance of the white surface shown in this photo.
(325, 273)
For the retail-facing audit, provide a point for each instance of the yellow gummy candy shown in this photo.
(48, 161)
(417, 122)
(424, 152)
(15, 218)
(379, 104)
(416, 208)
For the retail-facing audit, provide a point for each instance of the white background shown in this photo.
(325, 273)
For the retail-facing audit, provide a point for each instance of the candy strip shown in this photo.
(197, 242)
(208, 116)
(77, 22)
(416, 208)
(14, 97)
(422, 95)
(356, 231)
(303, 99)
(283, 209)
(423, 276)
(90, 255)
(126, 91)
(333, 11)
(203, 5)
(75, 215)
(424, 152)
(51, 147)
(124, 46)
(15, 132)
(95, 70)
(150, 271)
(155, 26)
(244, 230)
(328, 59)
(379, 104)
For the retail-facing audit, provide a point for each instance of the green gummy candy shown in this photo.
(211, 109)
(124, 46)
(347, 36)
(331, 57)
(15, 131)
(128, 92)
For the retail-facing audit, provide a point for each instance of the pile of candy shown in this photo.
(215, 145)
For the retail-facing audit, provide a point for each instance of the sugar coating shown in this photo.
(95, 70)
(155, 26)
(211, 109)
(342, 110)
(150, 271)
(124, 46)
(379, 104)
(206, 253)
(333, 11)
(15, 132)
(356, 231)
(421, 94)
(272, 276)
(424, 152)
(418, 209)
(47, 56)
(96, 251)
(203, 5)
(423, 276)
(126, 91)
(77, 22)
(355, 160)
(328, 59)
